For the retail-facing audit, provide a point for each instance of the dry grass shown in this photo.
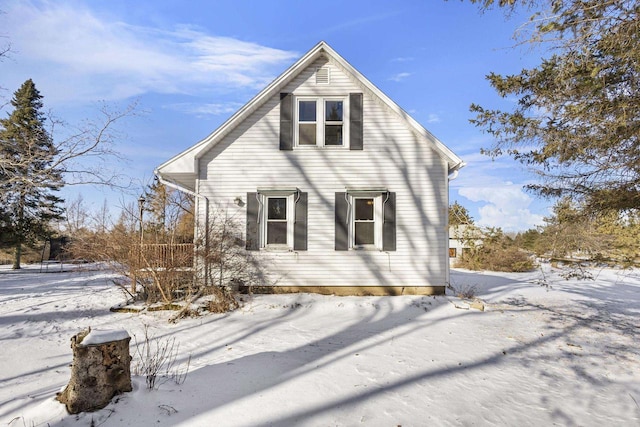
(465, 291)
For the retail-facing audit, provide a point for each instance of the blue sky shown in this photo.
(192, 64)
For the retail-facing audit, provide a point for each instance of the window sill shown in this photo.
(366, 248)
(321, 147)
(277, 248)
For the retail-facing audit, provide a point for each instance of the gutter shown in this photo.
(453, 172)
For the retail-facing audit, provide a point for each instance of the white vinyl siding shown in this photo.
(394, 157)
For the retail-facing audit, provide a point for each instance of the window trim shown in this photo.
(321, 121)
(291, 197)
(379, 199)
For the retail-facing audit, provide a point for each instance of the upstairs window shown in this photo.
(330, 121)
(321, 122)
(307, 122)
(333, 123)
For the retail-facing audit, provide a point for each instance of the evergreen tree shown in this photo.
(170, 213)
(157, 201)
(623, 229)
(459, 215)
(527, 239)
(577, 117)
(28, 175)
(569, 233)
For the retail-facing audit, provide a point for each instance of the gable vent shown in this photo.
(322, 75)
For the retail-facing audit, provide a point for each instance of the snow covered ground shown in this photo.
(565, 355)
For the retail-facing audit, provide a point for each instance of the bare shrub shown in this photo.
(163, 268)
(157, 262)
(165, 271)
(223, 301)
(227, 264)
(496, 252)
(576, 271)
(156, 360)
(466, 291)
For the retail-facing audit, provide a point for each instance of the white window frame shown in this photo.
(320, 121)
(264, 201)
(378, 200)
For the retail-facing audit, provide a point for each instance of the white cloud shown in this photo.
(75, 55)
(202, 110)
(507, 206)
(496, 186)
(483, 171)
(403, 59)
(399, 77)
(433, 118)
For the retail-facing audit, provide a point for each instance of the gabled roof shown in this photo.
(185, 164)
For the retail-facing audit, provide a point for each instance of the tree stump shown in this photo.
(101, 369)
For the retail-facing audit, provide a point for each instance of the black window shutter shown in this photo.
(342, 227)
(300, 226)
(389, 226)
(253, 228)
(355, 121)
(286, 121)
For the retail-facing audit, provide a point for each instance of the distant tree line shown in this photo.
(567, 235)
(575, 123)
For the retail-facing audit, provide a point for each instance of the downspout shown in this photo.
(206, 217)
(453, 174)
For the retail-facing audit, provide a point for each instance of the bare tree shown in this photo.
(84, 152)
(171, 213)
(77, 218)
(5, 48)
(36, 162)
(87, 150)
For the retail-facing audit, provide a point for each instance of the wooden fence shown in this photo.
(164, 255)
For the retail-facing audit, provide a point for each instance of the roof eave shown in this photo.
(196, 151)
(454, 162)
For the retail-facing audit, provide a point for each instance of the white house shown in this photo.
(341, 191)
(462, 237)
